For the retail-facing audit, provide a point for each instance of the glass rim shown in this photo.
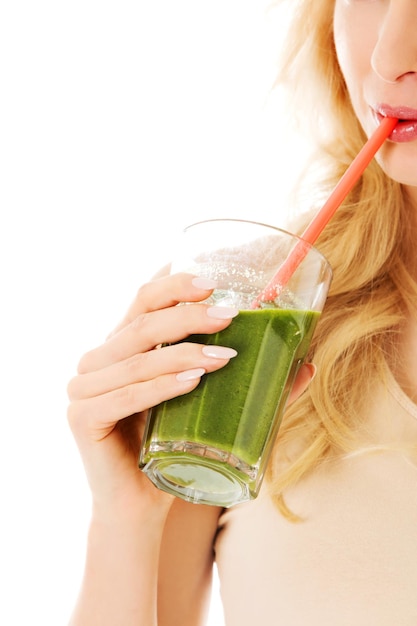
(310, 246)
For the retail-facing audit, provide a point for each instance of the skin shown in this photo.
(136, 567)
(376, 44)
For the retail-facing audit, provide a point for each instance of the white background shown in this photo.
(120, 122)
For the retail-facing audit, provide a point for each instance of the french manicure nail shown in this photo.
(222, 312)
(219, 352)
(204, 283)
(183, 377)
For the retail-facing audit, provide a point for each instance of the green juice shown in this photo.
(237, 409)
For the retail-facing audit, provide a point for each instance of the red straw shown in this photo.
(339, 193)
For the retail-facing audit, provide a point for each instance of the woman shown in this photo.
(331, 538)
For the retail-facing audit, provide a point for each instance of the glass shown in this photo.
(211, 446)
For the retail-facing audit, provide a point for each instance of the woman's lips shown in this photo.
(406, 128)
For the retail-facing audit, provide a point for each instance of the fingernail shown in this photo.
(222, 312)
(312, 368)
(219, 352)
(204, 283)
(183, 377)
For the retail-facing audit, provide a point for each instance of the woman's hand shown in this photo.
(304, 377)
(120, 380)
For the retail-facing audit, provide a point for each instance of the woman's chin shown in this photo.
(399, 162)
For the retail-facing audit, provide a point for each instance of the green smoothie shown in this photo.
(236, 409)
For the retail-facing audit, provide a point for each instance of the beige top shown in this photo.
(353, 561)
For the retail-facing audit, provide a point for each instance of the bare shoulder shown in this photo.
(186, 564)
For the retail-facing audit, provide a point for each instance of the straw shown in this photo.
(318, 223)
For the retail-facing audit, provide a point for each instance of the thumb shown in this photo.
(304, 377)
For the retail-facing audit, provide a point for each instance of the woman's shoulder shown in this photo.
(352, 514)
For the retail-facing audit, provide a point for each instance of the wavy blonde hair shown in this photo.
(368, 243)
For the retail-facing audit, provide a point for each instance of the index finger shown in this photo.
(163, 292)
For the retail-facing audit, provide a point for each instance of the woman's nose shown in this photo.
(395, 53)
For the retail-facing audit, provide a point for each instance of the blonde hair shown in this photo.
(368, 243)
